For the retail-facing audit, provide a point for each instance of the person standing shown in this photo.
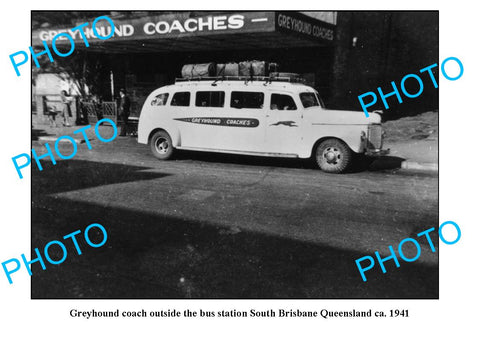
(124, 111)
(50, 111)
(66, 111)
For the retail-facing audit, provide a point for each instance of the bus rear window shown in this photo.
(160, 100)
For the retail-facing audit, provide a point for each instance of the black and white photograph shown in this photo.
(234, 154)
(227, 170)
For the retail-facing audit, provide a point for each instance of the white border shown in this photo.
(453, 316)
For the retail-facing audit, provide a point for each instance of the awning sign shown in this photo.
(304, 25)
(169, 26)
(183, 24)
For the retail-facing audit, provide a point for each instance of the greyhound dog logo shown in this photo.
(289, 123)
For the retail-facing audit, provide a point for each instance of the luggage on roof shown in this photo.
(227, 70)
(245, 68)
(287, 75)
(198, 70)
(259, 68)
(256, 68)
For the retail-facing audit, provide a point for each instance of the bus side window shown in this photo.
(181, 99)
(246, 100)
(282, 102)
(210, 98)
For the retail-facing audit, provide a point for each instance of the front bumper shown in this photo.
(377, 152)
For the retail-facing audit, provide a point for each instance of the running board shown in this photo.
(249, 153)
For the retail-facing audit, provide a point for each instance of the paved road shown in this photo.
(210, 225)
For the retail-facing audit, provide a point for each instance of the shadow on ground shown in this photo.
(213, 157)
(79, 174)
(149, 255)
(385, 163)
(361, 163)
(36, 133)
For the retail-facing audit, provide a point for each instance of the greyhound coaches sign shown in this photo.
(211, 23)
(173, 25)
(184, 24)
(304, 25)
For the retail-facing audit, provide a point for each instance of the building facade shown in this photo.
(341, 54)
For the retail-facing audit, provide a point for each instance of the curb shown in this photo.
(410, 165)
(54, 138)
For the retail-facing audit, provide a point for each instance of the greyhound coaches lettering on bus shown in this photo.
(21, 57)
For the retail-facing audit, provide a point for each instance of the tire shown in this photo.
(333, 156)
(161, 145)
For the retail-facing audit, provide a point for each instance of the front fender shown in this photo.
(350, 135)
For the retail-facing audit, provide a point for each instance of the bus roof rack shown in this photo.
(245, 79)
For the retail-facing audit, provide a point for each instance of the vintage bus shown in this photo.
(260, 116)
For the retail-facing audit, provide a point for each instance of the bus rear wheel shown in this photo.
(161, 145)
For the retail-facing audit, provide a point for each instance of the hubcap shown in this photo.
(161, 145)
(331, 155)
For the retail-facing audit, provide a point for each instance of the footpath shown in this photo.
(413, 141)
(43, 132)
(419, 155)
